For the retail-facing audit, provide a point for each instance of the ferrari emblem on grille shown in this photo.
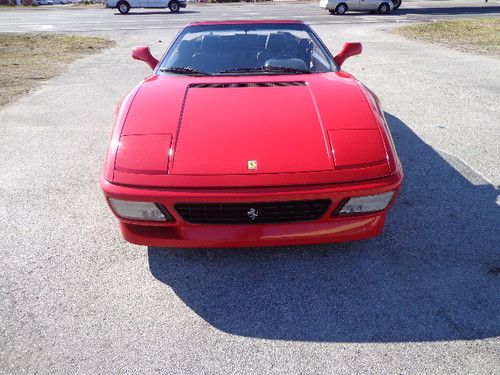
(252, 214)
(252, 164)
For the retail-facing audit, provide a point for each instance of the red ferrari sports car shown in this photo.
(249, 134)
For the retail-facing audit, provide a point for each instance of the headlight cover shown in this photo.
(366, 204)
(146, 211)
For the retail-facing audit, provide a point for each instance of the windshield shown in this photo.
(246, 49)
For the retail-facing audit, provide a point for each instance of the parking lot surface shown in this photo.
(66, 19)
(421, 298)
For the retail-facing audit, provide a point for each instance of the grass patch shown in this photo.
(474, 35)
(26, 60)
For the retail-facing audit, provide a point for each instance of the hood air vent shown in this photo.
(246, 84)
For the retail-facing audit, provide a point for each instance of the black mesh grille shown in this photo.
(246, 84)
(253, 213)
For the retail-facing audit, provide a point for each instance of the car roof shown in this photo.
(244, 22)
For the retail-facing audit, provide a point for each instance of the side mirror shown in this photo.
(349, 49)
(144, 54)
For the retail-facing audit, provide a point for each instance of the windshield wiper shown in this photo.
(270, 69)
(286, 69)
(184, 70)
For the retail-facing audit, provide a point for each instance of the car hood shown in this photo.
(247, 130)
(240, 128)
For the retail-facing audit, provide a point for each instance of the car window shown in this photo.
(242, 49)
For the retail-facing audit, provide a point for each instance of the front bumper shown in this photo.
(328, 228)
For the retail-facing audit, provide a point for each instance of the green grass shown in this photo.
(26, 60)
(473, 35)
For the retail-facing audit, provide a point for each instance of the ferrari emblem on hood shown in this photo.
(252, 164)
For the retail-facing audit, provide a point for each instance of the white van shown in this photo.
(124, 6)
(342, 6)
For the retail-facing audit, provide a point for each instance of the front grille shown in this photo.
(246, 84)
(253, 213)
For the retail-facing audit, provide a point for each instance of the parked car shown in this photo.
(342, 6)
(249, 134)
(124, 6)
(45, 2)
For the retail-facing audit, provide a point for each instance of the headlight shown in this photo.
(366, 204)
(140, 210)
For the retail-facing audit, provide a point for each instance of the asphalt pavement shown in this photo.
(69, 19)
(421, 298)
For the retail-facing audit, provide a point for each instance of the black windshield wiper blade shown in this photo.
(184, 70)
(270, 69)
(286, 69)
(237, 70)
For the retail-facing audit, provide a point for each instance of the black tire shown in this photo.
(341, 8)
(397, 3)
(174, 6)
(123, 7)
(384, 8)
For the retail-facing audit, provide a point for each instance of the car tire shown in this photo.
(384, 8)
(123, 7)
(341, 8)
(174, 6)
(397, 3)
(332, 11)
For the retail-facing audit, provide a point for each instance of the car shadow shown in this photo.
(148, 13)
(477, 10)
(432, 275)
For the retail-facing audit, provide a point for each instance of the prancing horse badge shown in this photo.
(252, 165)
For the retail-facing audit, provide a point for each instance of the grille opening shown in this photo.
(253, 213)
(246, 84)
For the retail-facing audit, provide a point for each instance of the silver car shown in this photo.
(342, 6)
